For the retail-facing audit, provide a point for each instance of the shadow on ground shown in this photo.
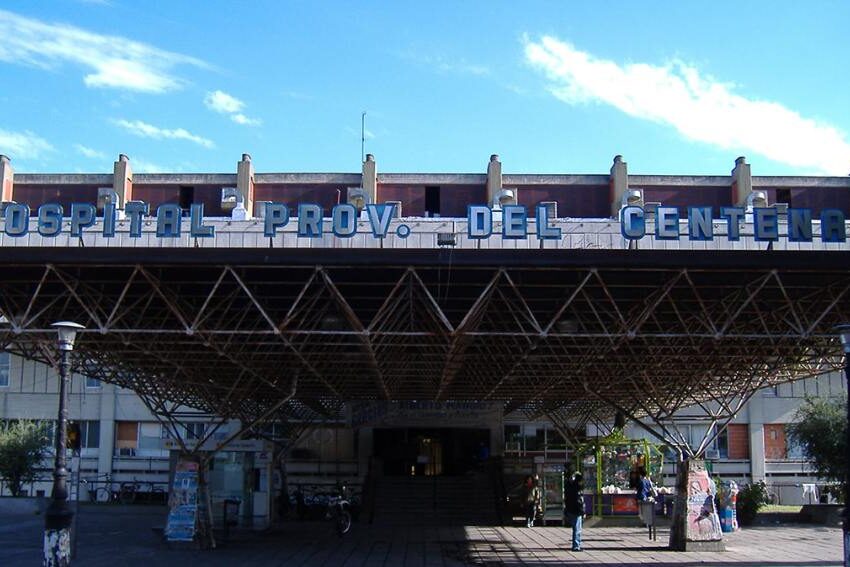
(113, 535)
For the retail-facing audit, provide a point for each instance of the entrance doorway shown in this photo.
(432, 451)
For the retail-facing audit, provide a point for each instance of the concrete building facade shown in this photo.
(123, 439)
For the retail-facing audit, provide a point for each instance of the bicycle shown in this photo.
(339, 511)
(100, 491)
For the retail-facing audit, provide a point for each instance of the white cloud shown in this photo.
(244, 120)
(23, 145)
(223, 103)
(698, 106)
(220, 101)
(145, 130)
(445, 65)
(112, 61)
(89, 152)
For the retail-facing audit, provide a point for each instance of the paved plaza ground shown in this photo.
(117, 536)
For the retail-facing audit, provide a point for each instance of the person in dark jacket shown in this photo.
(574, 508)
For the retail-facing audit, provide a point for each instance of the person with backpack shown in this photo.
(574, 511)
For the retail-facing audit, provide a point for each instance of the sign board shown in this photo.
(624, 504)
(183, 502)
(510, 221)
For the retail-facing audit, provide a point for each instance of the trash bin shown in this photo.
(646, 511)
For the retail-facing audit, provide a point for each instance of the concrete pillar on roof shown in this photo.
(742, 182)
(370, 178)
(7, 179)
(494, 178)
(122, 180)
(245, 183)
(618, 184)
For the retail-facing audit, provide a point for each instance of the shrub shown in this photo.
(751, 498)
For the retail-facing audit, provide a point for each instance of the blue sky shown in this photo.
(554, 87)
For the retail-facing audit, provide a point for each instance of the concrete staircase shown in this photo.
(434, 501)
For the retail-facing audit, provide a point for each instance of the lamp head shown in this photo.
(504, 197)
(67, 334)
(633, 198)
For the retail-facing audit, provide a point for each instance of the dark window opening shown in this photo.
(432, 201)
(187, 197)
(783, 196)
(723, 444)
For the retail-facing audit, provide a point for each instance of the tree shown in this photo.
(23, 445)
(820, 428)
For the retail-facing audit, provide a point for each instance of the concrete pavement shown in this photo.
(112, 535)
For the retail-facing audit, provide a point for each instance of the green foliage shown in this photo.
(820, 428)
(23, 445)
(751, 498)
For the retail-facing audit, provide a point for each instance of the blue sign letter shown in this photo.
(168, 220)
(380, 217)
(82, 216)
(766, 221)
(135, 210)
(700, 226)
(479, 221)
(49, 219)
(197, 227)
(800, 225)
(632, 223)
(309, 220)
(277, 216)
(17, 219)
(109, 213)
(832, 226)
(344, 220)
(733, 216)
(514, 221)
(667, 223)
(543, 229)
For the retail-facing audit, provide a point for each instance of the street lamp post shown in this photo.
(844, 333)
(57, 524)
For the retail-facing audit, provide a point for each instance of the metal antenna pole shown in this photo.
(363, 137)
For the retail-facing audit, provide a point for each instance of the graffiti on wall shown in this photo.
(703, 524)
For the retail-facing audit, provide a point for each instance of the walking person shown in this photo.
(644, 486)
(645, 493)
(532, 500)
(574, 511)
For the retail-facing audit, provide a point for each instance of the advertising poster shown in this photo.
(624, 504)
(183, 503)
(703, 524)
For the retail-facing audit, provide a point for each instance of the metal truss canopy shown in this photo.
(576, 334)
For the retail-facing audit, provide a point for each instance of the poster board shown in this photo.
(183, 502)
(702, 521)
(624, 504)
